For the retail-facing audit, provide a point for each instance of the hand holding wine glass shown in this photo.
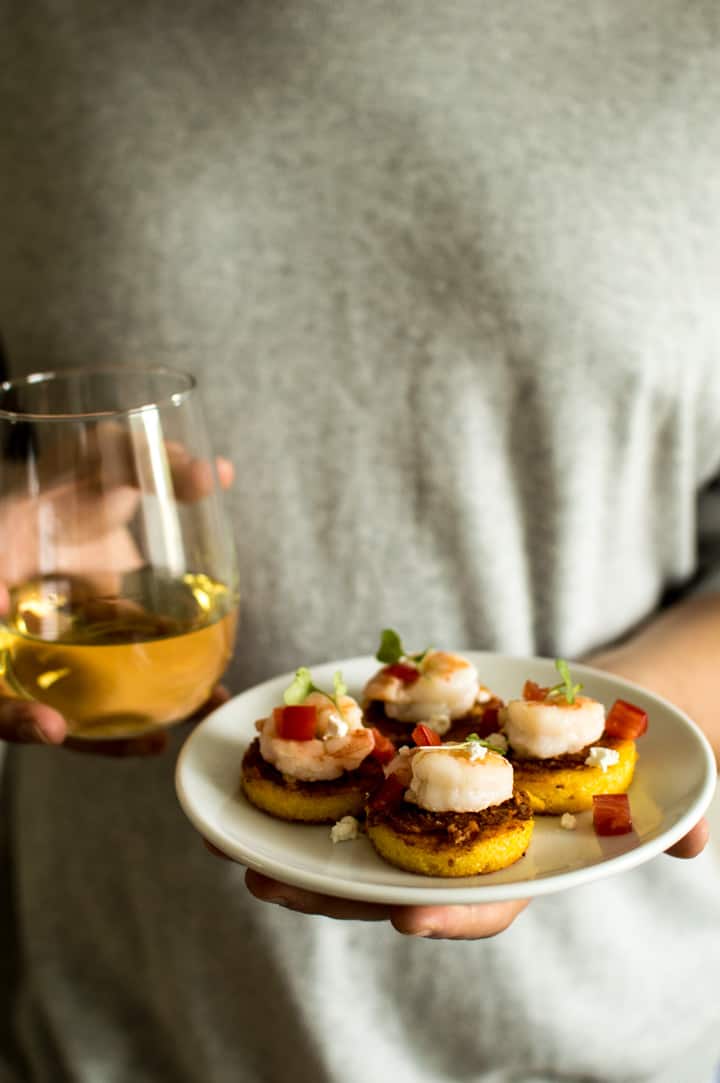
(120, 594)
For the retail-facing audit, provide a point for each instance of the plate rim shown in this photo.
(450, 893)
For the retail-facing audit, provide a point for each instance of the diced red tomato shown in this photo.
(296, 722)
(384, 749)
(531, 690)
(423, 735)
(389, 794)
(611, 814)
(405, 673)
(625, 720)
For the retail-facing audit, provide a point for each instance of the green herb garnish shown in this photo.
(391, 650)
(302, 686)
(475, 738)
(565, 689)
(339, 686)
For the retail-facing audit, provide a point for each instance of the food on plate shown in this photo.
(313, 760)
(345, 830)
(564, 750)
(626, 720)
(439, 688)
(611, 814)
(449, 809)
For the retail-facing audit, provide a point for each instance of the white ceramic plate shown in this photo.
(674, 783)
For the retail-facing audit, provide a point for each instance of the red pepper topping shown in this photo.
(296, 722)
(405, 673)
(424, 735)
(625, 720)
(611, 814)
(531, 690)
(384, 749)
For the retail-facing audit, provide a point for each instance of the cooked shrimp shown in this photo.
(447, 686)
(341, 742)
(454, 778)
(545, 728)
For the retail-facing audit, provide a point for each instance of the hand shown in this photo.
(91, 512)
(474, 922)
(26, 722)
(100, 553)
(467, 922)
(693, 843)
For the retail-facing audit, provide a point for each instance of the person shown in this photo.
(448, 279)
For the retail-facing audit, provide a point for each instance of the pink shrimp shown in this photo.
(447, 685)
(341, 742)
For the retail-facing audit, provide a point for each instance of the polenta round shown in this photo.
(567, 784)
(306, 802)
(450, 843)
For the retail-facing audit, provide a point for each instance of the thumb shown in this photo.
(25, 722)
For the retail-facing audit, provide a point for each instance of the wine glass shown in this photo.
(117, 568)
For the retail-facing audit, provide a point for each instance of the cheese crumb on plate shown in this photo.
(345, 830)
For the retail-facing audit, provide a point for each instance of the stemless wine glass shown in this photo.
(117, 568)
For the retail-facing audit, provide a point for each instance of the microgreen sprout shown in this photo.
(391, 650)
(339, 686)
(474, 738)
(565, 689)
(302, 685)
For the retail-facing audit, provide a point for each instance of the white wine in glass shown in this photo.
(119, 584)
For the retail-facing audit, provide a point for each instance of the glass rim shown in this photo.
(174, 398)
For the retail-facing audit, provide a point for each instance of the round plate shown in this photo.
(674, 784)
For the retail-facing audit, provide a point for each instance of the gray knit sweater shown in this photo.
(449, 275)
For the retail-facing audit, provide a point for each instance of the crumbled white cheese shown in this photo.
(439, 723)
(568, 821)
(602, 757)
(484, 694)
(336, 726)
(345, 830)
(477, 751)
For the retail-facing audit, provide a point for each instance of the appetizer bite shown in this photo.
(313, 759)
(449, 809)
(565, 752)
(438, 688)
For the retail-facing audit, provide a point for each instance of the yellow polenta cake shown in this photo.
(313, 760)
(307, 802)
(564, 748)
(451, 843)
(567, 783)
(450, 810)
